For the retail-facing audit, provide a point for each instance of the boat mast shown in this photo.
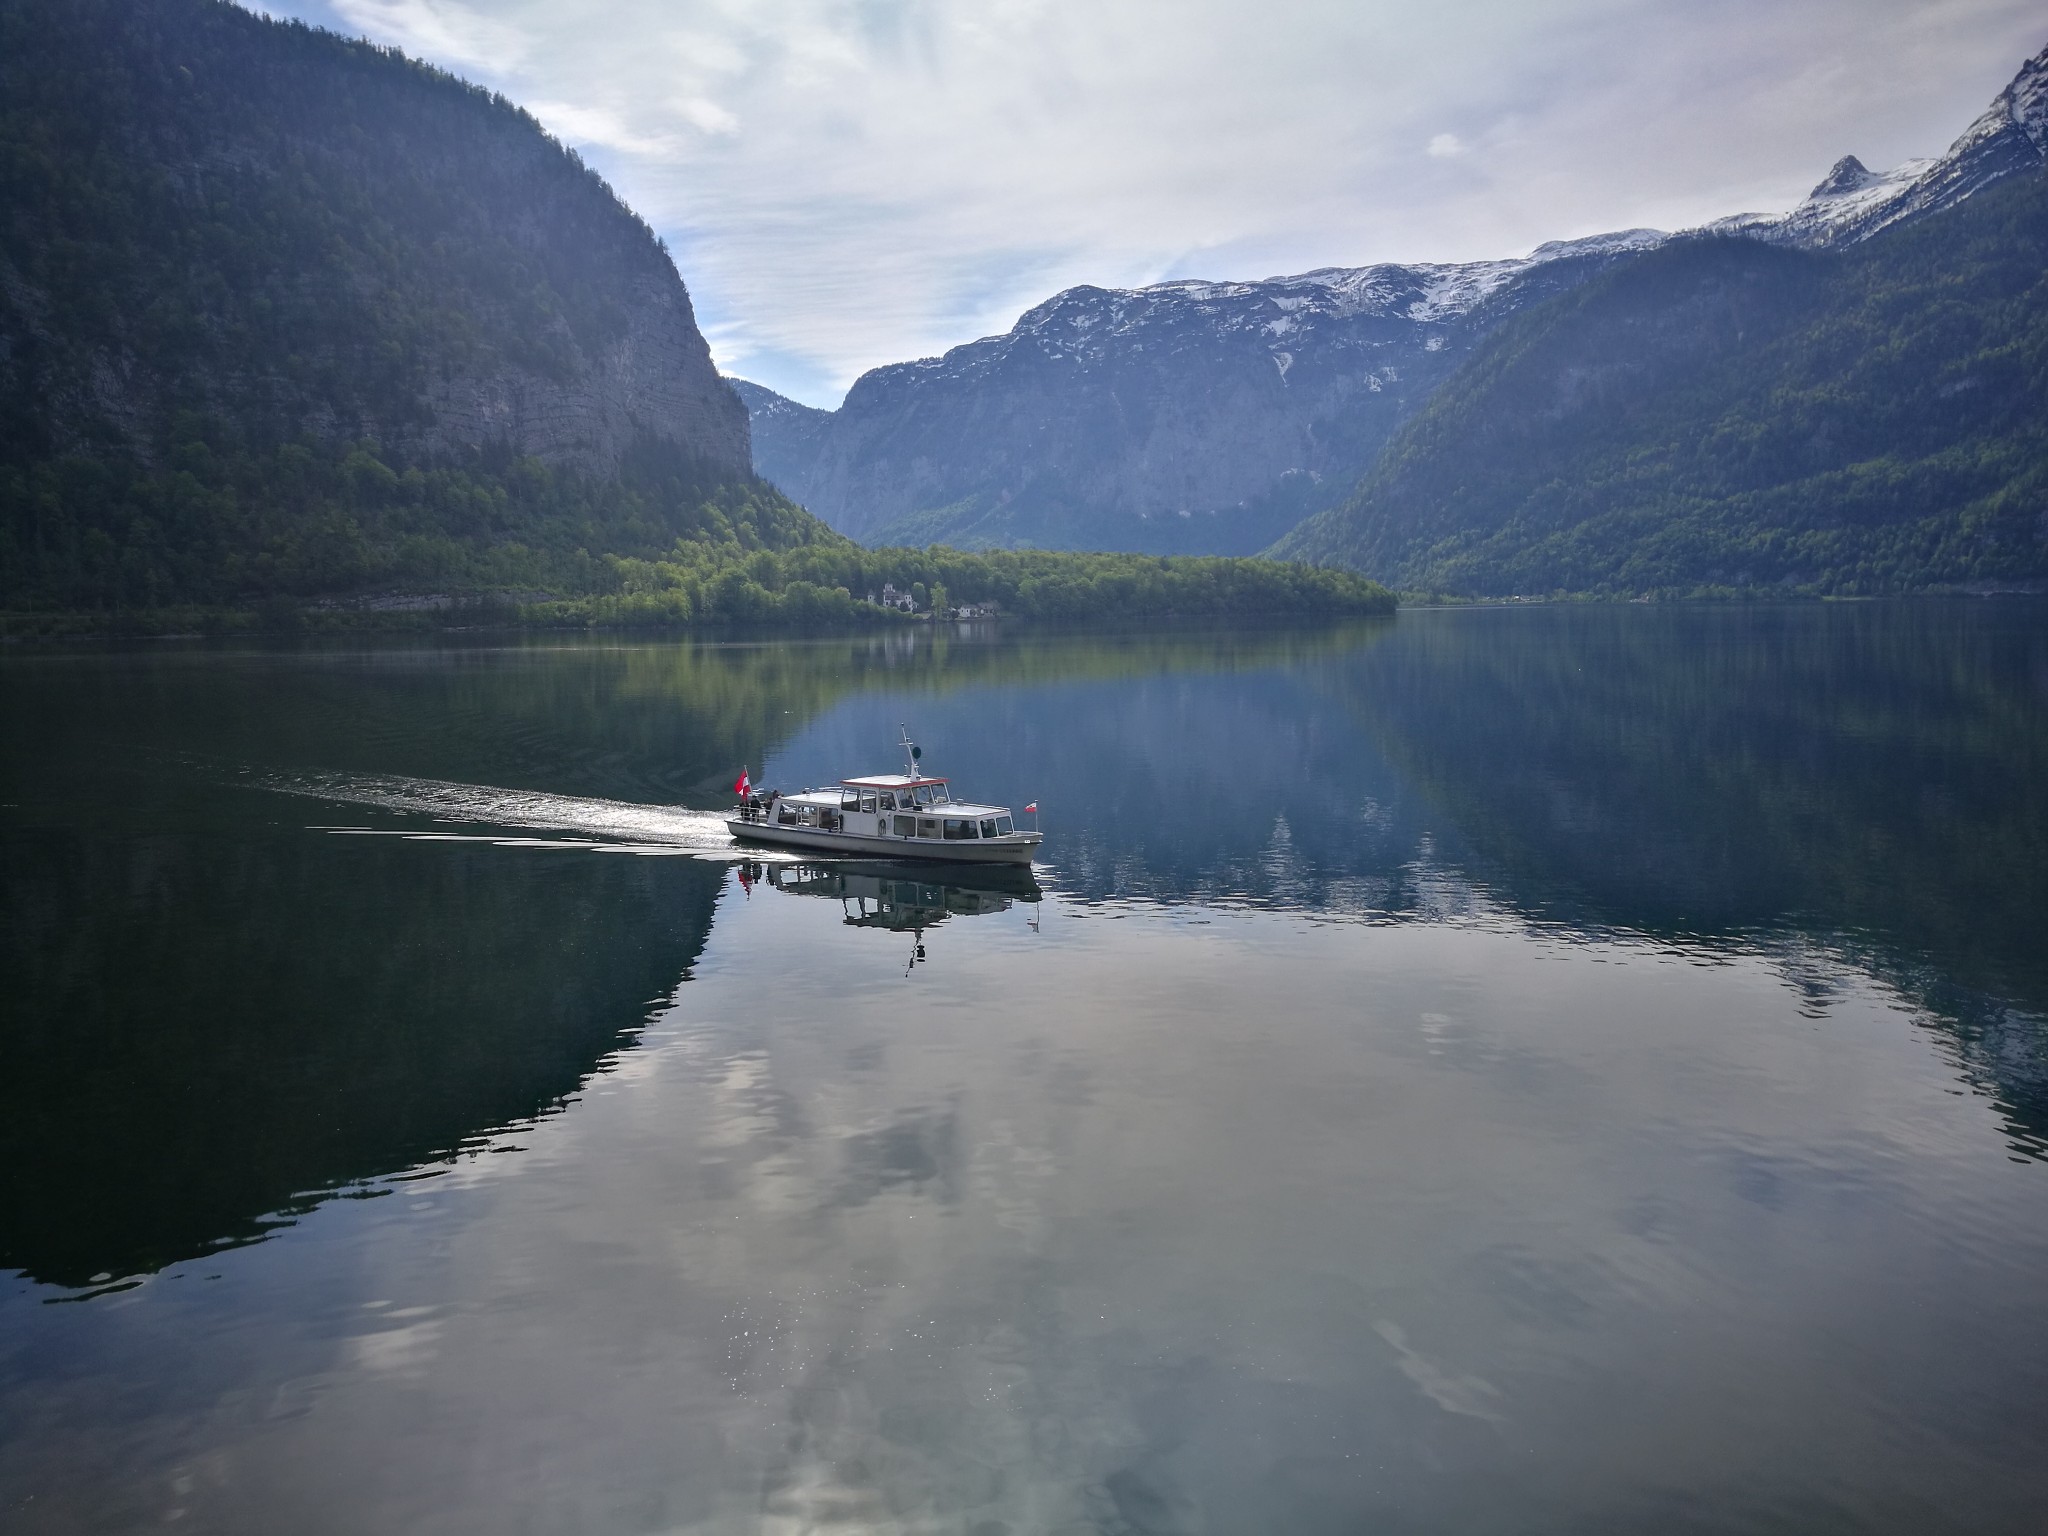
(911, 753)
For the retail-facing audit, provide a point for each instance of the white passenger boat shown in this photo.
(907, 815)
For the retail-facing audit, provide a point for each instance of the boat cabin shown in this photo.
(891, 805)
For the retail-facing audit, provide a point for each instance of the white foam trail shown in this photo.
(731, 854)
(669, 826)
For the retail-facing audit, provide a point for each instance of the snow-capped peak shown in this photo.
(1852, 202)
(2027, 100)
(1849, 175)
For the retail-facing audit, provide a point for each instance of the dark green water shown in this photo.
(1542, 1070)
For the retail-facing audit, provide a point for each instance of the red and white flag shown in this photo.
(1032, 807)
(744, 786)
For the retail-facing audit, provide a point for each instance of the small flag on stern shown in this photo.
(744, 785)
(1032, 807)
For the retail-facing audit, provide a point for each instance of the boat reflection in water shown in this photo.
(904, 898)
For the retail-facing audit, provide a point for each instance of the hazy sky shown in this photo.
(852, 182)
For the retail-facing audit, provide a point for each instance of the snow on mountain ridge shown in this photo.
(1423, 292)
(1608, 244)
(1849, 197)
(1330, 311)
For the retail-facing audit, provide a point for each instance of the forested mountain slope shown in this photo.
(1723, 413)
(285, 313)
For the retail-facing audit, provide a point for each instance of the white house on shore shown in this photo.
(891, 598)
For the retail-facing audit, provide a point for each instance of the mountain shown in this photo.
(1853, 203)
(1732, 413)
(1187, 416)
(1211, 416)
(282, 312)
(786, 433)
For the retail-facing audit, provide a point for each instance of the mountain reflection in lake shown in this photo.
(1552, 1069)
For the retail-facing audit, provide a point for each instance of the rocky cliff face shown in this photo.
(306, 237)
(652, 381)
(1185, 417)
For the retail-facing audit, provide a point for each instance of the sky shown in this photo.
(847, 183)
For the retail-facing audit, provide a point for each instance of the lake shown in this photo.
(1544, 1069)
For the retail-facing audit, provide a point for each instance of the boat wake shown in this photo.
(614, 825)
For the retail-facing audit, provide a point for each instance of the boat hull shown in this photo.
(1017, 848)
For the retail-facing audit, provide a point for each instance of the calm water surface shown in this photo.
(1552, 1070)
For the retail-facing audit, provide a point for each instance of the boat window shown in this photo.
(1003, 826)
(988, 829)
(786, 816)
(939, 795)
(926, 827)
(849, 800)
(924, 794)
(906, 826)
(867, 804)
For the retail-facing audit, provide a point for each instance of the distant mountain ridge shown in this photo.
(1186, 416)
(1207, 416)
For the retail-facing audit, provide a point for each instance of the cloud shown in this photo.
(450, 34)
(600, 127)
(707, 115)
(854, 182)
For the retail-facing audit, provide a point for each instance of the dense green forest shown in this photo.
(822, 583)
(1724, 415)
(224, 523)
